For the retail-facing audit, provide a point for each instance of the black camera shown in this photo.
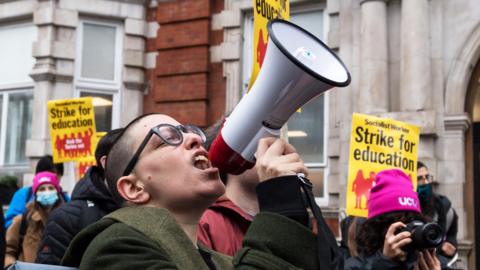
(424, 235)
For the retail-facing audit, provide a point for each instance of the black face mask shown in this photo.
(424, 193)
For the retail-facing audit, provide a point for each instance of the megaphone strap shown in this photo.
(328, 251)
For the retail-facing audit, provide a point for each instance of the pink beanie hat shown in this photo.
(45, 178)
(393, 191)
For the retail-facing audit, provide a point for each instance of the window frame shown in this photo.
(5, 93)
(101, 86)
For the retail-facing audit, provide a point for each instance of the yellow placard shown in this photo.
(377, 144)
(72, 128)
(264, 11)
(84, 164)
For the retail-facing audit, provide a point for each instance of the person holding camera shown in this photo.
(394, 235)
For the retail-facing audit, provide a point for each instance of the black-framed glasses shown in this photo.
(427, 177)
(169, 134)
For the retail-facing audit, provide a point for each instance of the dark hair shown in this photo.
(103, 148)
(211, 133)
(45, 164)
(350, 227)
(421, 165)
(105, 144)
(371, 235)
(118, 157)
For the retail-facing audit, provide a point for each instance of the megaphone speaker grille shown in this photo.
(308, 52)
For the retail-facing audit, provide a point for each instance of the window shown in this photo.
(16, 91)
(18, 111)
(98, 54)
(98, 69)
(306, 128)
(16, 54)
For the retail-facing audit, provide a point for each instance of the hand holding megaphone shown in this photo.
(276, 157)
(297, 67)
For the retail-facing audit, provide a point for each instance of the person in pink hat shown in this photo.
(25, 233)
(392, 204)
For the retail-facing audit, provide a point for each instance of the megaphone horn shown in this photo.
(297, 67)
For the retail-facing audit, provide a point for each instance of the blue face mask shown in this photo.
(424, 193)
(47, 198)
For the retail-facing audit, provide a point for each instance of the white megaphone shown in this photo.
(297, 67)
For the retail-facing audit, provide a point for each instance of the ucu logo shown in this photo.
(44, 179)
(407, 201)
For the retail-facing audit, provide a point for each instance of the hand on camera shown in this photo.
(427, 260)
(392, 246)
(276, 157)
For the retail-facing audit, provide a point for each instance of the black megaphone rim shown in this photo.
(300, 64)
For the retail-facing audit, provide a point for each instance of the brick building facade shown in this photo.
(184, 82)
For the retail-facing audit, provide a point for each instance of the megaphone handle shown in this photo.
(251, 148)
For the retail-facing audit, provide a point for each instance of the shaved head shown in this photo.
(162, 171)
(119, 156)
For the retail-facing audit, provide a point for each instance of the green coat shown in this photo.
(149, 238)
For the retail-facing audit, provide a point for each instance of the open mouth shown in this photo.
(201, 162)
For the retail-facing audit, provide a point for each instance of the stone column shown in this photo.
(451, 168)
(133, 69)
(52, 73)
(415, 74)
(373, 92)
(452, 174)
(54, 51)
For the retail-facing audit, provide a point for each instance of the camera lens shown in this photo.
(432, 235)
(424, 236)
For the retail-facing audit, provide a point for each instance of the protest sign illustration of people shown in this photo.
(261, 48)
(74, 146)
(361, 187)
(84, 163)
(83, 166)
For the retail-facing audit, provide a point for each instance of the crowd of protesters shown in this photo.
(91, 200)
(41, 220)
(154, 201)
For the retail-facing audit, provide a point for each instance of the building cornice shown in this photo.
(365, 1)
(457, 122)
